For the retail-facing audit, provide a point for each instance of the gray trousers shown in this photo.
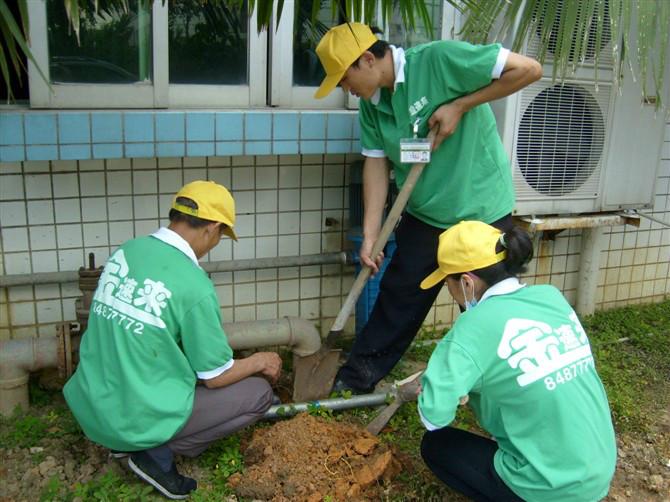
(221, 412)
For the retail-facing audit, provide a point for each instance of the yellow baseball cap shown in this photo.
(467, 246)
(214, 203)
(338, 49)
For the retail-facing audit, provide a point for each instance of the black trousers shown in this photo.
(464, 461)
(401, 305)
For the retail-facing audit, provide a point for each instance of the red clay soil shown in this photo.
(311, 459)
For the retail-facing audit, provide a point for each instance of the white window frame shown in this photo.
(156, 94)
(282, 91)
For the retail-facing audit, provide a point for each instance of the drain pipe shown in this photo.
(341, 257)
(300, 335)
(20, 357)
(17, 359)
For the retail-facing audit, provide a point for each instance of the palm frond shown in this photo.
(16, 39)
(571, 31)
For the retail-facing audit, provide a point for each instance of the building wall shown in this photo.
(53, 213)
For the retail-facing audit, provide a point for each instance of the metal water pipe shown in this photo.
(211, 267)
(338, 403)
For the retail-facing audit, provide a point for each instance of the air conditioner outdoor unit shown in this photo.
(570, 143)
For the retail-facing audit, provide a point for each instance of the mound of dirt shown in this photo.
(308, 459)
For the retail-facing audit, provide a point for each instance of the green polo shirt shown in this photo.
(526, 363)
(154, 326)
(469, 176)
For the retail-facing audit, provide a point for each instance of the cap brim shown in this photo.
(433, 279)
(229, 232)
(329, 83)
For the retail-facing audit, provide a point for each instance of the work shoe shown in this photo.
(171, 484)
(118, 454)
(341, 386)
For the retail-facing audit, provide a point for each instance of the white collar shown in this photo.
(175, 240)
(398, 69)
(504, 287)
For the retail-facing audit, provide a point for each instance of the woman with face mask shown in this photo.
(520, 357)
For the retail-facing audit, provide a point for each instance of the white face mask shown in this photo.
(469, 304)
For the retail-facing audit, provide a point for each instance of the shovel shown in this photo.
(403, 391)
(315, 374)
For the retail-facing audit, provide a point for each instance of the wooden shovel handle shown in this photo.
(384, 234)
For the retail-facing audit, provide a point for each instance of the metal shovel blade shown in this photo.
(403, 391)
(382, 419)
(313, 375)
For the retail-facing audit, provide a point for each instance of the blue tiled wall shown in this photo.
(81, 135)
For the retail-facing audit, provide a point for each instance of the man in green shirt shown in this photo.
(154, 331)
(521, 358)
(444, 86)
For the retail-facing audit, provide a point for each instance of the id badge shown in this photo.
(415, 150)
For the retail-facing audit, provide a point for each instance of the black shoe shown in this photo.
(341, 386)
(118, 454)
(171, 484)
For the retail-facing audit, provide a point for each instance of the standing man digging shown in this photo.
(154, 331)
(444, 85)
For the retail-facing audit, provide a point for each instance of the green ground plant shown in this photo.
(110, 487)
(316, 410)
(631, 348)
(26, 430)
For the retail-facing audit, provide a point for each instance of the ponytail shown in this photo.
(519, 249)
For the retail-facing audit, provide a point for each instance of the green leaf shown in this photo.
(7, 18)
(280, 9)
(11, 49)
(5, 70)
(72, 11)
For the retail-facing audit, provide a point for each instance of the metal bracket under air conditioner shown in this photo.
(556, 223)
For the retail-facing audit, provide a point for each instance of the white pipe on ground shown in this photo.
(20, 357)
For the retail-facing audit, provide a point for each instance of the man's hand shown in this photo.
(445, 120)
(463, 400)
(269, 365)
(364, 255)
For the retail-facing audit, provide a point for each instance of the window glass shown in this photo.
(307, 70)
(98, 56)
(208, 43)
(408, 37)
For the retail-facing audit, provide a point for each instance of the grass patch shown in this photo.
(22, 430)
(631, 347)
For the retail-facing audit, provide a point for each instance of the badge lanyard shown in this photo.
(415, 150)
